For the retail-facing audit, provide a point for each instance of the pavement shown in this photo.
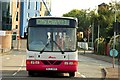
(110, 73)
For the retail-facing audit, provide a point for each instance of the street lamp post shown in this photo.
(98, 38)
(119, 49)
(92, 35)
(115, 32)
(114, 42)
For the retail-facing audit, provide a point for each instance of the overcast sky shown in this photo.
(59, 7)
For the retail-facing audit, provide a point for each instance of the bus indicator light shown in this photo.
(28, 62)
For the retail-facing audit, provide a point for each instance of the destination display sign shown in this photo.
(52, 22)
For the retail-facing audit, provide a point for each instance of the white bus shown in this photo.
(52, 45)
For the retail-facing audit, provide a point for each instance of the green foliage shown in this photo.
(101, 45)
(83, 18)
(104, 18)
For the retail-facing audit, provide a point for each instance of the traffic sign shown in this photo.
(113, 51)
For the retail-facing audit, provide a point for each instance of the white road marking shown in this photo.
(19, 68)
(83, 76)
(78, 74)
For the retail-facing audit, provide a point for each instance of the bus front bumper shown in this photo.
(61, 66)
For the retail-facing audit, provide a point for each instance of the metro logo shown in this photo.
(52, 57)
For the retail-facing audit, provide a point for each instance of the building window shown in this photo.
(28, 15)
(35, 15)
(28, 4)
(16, 27)
(17, 16)
(35, 6)
(40, 6)
(17, 3)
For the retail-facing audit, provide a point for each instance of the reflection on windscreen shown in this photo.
(55, 39)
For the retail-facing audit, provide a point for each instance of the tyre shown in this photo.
(72, 74)
(30, 73)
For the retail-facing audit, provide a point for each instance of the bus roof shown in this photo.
(54, 17)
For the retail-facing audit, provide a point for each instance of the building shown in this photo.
(0, 26)
(14, 19)
(16, 8)
(23, 10)
(0, 15)
(45, 8)
(5, 26)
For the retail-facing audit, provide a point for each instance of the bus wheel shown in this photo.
(72, 74)
(30, 73)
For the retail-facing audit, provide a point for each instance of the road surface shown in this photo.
(13, 67)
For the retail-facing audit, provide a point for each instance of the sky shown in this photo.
(60, 7)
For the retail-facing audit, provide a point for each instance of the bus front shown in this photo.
(51, 45)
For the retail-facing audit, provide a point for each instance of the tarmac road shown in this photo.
(13, 67)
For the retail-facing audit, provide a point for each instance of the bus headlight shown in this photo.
(66, 63)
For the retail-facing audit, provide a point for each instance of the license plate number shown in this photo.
(51, 69)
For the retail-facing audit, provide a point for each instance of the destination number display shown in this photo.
(52, 22)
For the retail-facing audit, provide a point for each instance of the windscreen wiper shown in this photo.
(48, 44)
(44, 48)
(59, 47)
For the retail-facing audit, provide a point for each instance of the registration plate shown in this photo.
(51, 69)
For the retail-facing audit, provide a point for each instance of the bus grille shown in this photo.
(50, 62)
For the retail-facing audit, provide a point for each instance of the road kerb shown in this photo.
(104, 72)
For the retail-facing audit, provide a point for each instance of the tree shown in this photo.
(83, 20)
(81, 15)
(104, 18)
